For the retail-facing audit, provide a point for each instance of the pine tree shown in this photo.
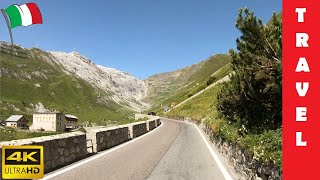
(253, 97)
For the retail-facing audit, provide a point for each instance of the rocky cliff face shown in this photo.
(126, 89)
(67, 82)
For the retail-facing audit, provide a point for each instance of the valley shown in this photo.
(234, 98)
(71, 83)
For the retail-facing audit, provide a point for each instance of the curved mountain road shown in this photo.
(175, 150)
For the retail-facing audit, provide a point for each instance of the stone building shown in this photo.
(71, 121)
(55, 121)
(17, 121)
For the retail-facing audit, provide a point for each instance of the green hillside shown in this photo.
(174, 87)
(26, 82)
(239, 110)
(266, 146)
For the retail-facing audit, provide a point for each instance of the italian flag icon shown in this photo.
(23, 15)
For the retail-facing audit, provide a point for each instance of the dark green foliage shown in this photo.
(253, 96)
(211, 80)
(195, 91)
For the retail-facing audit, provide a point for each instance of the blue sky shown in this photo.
(141, 37)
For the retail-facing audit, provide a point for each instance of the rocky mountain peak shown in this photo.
(125, 88)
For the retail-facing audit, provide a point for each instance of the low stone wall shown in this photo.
(106, 138)
(240, 159)
(59, 150)
(142, 116)
(244, 163)
(151, 125)
(137, 129)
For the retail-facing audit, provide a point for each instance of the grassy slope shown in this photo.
(8, 134)
(58, 91)
(190, 80)
(266, 147)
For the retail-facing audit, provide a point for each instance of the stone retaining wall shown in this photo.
(244, 163)
(240, 159)
(59, 150)
(137, 129)
(151, 125)
(106, 138)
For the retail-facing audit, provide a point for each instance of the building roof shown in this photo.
(14, 118)
(71, 116)
(48, 113)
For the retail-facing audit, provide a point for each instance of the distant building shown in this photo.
(49, 122)
(71, 121)
(17, 121)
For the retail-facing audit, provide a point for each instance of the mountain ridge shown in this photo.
(125, 88)
(73, 83)
(41, 80)
(163, 88)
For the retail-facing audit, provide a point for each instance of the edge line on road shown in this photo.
(86, 160)
(223, 170)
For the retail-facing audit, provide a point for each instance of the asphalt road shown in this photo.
(175, 150)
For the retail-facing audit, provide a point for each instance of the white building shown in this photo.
(49, 122)
(17, 121)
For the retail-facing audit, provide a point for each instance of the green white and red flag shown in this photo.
(23, 15)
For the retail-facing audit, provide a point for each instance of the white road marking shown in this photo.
(49, 176)
(224, 171)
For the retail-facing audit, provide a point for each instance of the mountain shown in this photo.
(125, 89)
(33, 80)
(68, 82)
(171, 88)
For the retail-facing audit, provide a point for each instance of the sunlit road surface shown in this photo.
(175, 150)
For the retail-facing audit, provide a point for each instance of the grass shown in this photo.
(222, 72)
(192, 80)
(8, 134)
(200, 107)
(57, 91)
(265, 147)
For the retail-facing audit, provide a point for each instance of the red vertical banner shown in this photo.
(301, 89)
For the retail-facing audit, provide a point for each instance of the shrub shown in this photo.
(265, 147)
(211, 80)
(253, 96)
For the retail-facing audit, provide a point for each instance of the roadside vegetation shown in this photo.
(253, 96)
(265, 146)
(247, 109)
(8, 134)
(197, 79)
